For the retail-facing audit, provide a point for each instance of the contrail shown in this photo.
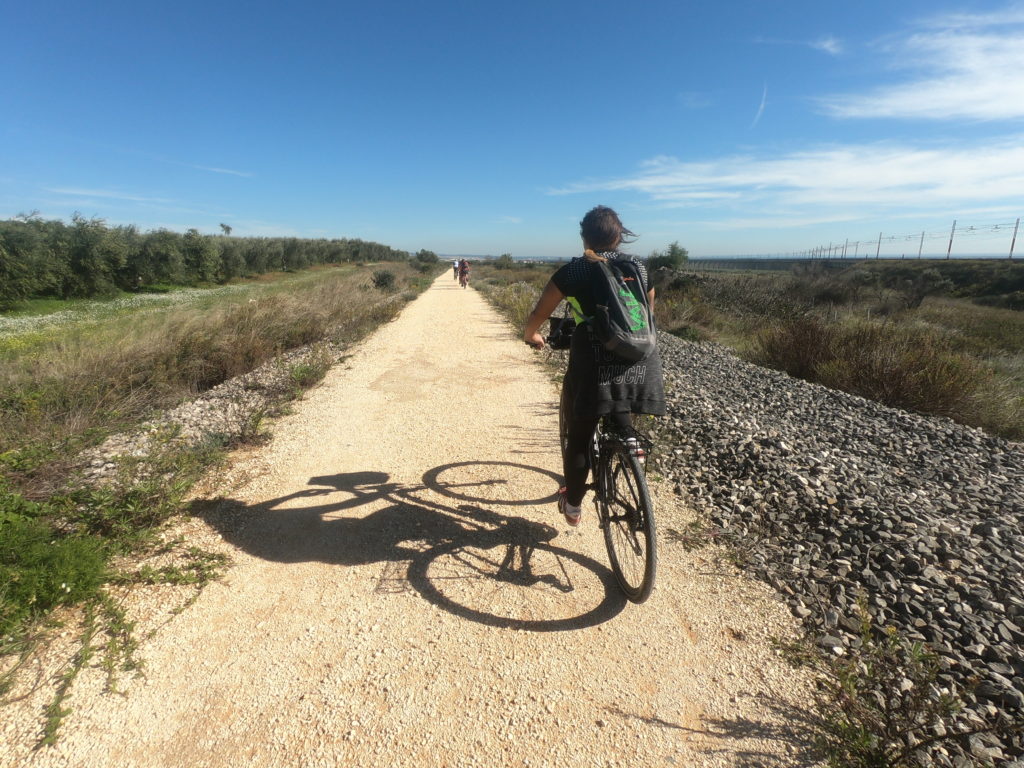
(760, 109)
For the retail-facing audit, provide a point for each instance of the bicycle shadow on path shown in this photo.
(441, 538)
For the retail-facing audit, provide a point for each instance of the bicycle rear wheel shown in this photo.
(627, 517)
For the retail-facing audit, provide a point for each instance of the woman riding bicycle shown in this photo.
(597, 383)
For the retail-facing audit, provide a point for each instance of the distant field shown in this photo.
(39, 314)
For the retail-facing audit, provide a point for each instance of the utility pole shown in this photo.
(845, 246)
(1014, 241)
(879, 248)
(949, 250)
(920, 245)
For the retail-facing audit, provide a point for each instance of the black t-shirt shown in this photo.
(576, 278)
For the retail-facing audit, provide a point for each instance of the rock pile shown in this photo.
(840, 501)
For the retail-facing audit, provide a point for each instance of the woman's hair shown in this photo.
(602, 230)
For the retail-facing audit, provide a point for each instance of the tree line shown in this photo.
(84, 259)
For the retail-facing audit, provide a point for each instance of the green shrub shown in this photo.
(878, 704)
(15, 507)
(673, 257)
(799, 347)
(310, 370)
(1014, 301)
(901, 367)
(384, 280)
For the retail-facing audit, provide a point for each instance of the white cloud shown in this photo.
(104, 194)
(832, 183)
(1007, 16)
(760, 109)
(828, 44)
(227, 171)
(693, 100)
(963, 66)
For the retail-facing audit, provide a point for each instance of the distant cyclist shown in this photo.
(597, 382)
(463, 273)
(455, 269)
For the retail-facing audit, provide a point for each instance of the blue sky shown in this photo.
(485, 128)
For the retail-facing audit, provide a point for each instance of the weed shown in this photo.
(695, 535)
(55, 711)
(880, 705)
(248, 430)
(312, 369)
(40, 567)
(199, 567)
(515, 301)
(702, 533)
(119, 651)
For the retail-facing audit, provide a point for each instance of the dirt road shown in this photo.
(404, 594)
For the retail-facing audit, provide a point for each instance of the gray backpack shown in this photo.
(623, 321)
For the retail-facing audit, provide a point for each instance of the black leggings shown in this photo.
(576, 462)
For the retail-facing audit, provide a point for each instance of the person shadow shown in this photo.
(441, 537)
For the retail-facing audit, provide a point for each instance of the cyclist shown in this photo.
(596, 383)
(463, 273)
(455, 269)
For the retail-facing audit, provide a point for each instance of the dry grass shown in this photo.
(850, 331)
(513, 291)
(909, 366)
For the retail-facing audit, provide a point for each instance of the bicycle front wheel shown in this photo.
(628, 521)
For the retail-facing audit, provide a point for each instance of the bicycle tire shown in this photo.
(627, 518)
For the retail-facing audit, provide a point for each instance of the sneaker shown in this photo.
(572, 514)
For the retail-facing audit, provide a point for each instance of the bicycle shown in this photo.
(619, 481)
(624, 510)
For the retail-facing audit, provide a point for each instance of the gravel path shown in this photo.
(404, 594)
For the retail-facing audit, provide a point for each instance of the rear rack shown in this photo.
(640, 444)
